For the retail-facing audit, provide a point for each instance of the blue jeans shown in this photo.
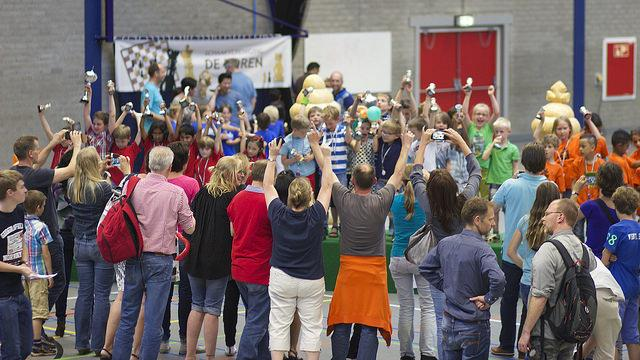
(524, 294)
(367, 348)
(16, 331)
(509, 306)
(254, 342)
(151, 274)
(629, 315)
(207, 295)
(438, 304)
(465, 340)
(95, 277)
(61, 304)
(56, 250)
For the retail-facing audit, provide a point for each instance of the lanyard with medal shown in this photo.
(590, 175)
(201, 175)
(384, 156)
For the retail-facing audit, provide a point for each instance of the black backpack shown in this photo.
(573, 316)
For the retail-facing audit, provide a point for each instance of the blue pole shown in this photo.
(255, 18)
(92, 49)
(579, 11)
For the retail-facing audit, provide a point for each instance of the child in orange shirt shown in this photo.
(554, 171)
(620, 141)
(635, 157)
(584, 169)
(592, 125)
(563, 130)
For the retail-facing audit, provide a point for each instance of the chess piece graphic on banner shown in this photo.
(187, 61)
(278, 69)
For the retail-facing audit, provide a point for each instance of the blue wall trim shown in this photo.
(579, 14)
(92, 48)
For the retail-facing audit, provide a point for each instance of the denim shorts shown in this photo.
(207, 295)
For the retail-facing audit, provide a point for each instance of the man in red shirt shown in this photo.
(250, 256)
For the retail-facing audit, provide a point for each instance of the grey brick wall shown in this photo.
(42, 46)
(42, 56)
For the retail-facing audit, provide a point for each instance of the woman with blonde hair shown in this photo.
(89, 193)
(408, 218)
(296, 279)
(209, 262)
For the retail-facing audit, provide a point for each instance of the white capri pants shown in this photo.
(287, 295)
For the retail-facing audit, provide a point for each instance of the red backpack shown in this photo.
(119, 236)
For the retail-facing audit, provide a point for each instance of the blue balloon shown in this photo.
(374, 113)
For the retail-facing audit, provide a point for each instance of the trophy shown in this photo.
(70, 123)
(163, 109)
(434, 106)
(89, 78)
(369, 100)
(42, 108)
(467, 86)
(128, 107)
(431, 90)
(147, 113)
(407, 77)
(184, 102)
(583, 110)
(111, 87)
(240, 107)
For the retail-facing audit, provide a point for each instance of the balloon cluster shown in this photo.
(313, 94)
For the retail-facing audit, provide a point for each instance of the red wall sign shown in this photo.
(619, 68)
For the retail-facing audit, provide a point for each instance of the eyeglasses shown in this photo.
(552, 212)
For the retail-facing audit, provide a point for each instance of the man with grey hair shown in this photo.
(241, 83)
(340, 94)
(160, 207)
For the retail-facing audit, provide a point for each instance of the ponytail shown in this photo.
(409, 200)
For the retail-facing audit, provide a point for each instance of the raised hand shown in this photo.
(491, 91)
(274, 148)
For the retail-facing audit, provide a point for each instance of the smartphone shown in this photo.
(115, 159)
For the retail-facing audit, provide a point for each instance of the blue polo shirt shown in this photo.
(230, 98)
(155, 99)
(243, 85)
(623, 240)
(516, 197)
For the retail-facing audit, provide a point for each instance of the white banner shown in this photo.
(267, 61)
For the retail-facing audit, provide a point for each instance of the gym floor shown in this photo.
(392, 352)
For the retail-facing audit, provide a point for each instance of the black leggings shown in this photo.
(230, 312)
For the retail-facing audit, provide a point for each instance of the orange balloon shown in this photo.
(363, 113)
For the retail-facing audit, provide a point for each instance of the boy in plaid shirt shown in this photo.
(36, 237)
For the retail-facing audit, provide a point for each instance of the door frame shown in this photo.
(446, 23)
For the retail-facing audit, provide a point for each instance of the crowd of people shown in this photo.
(252, 196)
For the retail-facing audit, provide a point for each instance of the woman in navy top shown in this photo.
(296, 280)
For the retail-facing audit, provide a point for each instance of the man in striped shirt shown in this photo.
(335, 137)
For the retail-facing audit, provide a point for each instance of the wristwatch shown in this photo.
(574, 193)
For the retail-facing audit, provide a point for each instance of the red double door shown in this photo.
(449, 58)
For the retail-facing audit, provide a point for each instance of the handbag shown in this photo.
(420, 243)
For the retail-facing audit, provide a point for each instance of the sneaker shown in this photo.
(42, 350)
(406, 357)
(165, 347)
(46, 339)
(498, 351)
(427, 357)
(60, 328)
(231, 350)
(84, 351)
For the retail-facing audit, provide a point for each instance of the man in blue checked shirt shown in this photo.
(471, 281)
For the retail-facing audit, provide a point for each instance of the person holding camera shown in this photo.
(438, 196)
(28, 152)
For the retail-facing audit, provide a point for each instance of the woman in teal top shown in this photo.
(531, 229)
(407, 218)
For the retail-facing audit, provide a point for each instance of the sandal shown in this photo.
(135, 356)
(108, 356)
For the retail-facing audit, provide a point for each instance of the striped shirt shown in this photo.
(335, 141)
(36, 234)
